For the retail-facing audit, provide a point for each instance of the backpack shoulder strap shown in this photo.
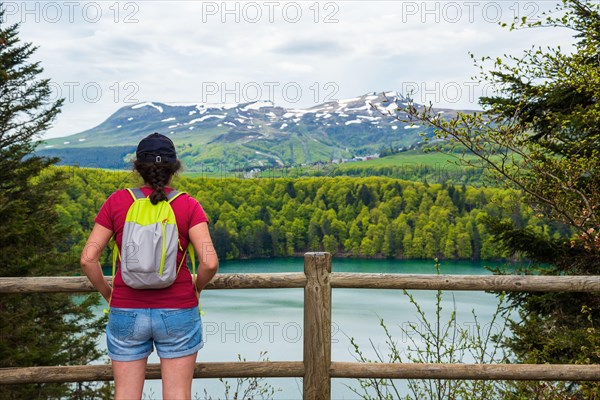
(136, 193)
(173, 194)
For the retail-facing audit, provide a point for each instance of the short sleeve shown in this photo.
(197, 214)
(104, 215)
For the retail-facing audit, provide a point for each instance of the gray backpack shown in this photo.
(150, 243)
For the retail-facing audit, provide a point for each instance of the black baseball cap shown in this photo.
(156, 148)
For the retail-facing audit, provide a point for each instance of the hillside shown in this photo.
(361, 217)
(414, 165)
(242, 136)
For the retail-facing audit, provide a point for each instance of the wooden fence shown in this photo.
(317, 369)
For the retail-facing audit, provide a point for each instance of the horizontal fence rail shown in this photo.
(510, 283)
(317, 369)
(496, 372)
(85, 373)
(295, 369)
(80, 284)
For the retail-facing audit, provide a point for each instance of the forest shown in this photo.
(357, 217)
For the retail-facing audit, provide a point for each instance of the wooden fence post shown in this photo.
(317, 326)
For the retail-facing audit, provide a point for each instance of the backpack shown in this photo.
(150, 243)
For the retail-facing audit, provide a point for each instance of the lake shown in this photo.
(244, 323)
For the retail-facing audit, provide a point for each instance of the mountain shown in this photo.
(242, 136)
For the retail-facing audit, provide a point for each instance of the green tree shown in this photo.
(330, 244)
(221, 239)
(450, 244)
(35, 329)
(352, 244)
(540, 133)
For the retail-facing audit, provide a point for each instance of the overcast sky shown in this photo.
(103, 55)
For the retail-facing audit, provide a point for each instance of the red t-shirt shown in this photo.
(181, 293)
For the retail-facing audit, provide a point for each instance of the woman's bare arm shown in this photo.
(207, 256)
(90, 259)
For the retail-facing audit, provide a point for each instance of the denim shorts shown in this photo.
(131, 333)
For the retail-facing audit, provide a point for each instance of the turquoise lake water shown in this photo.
(246, 322)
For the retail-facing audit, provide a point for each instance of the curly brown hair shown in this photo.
(157, 176)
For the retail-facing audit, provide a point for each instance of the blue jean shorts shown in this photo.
(132, 333)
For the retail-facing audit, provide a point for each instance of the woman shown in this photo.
(167, 318)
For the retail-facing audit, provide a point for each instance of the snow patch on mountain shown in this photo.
(147, 104)
(365, 107)
(257, 105)
(205, 117)
(368, 117)
(352, 100)
(296, 113)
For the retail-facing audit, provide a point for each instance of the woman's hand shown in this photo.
(108, 295)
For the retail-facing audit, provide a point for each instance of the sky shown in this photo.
(104, 55)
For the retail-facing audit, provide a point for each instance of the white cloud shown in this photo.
(295, 67)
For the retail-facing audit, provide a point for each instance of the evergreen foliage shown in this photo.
(35, 329)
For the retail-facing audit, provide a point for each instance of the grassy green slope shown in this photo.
(412, 165)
